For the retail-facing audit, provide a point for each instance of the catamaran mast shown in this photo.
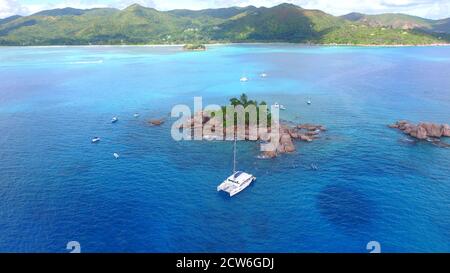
(234, 155)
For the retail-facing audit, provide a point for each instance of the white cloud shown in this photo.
(425, 8)
(11, 7)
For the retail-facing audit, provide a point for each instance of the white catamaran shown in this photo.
(238, 181)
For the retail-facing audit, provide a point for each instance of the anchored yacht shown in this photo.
(238, 181)
(279, 106)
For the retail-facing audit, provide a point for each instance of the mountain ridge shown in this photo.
(137, 24)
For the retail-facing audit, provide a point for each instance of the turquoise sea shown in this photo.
(160, 195)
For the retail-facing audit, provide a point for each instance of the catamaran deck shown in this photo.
(236, 183)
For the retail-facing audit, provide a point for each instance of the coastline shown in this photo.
(232, 43)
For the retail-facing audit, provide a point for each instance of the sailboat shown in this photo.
(238, 181)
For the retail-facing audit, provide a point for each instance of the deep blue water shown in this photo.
(160, 196)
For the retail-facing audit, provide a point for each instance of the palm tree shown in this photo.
(243, 100)
(235, 102)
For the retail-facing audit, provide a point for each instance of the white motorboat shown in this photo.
(279, 106)
(238, 181)
(136, 115)
(244, 79)
(263, 75)
(95, 139)
(116, 155)
(309, 102)
(114, 120)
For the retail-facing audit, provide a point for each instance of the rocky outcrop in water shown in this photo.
(301, 132)
(156, 122)
(431, 132)
(197, 119)
(288, 134)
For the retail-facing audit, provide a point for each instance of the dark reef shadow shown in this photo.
(347, 208)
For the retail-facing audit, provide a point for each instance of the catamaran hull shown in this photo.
(235, 191)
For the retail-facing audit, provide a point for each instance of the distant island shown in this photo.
(194, 47)
(138, 25)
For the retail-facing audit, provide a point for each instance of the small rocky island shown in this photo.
(287, 133)
(194, 47)
(431, 132)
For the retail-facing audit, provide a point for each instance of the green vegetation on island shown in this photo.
(139, 25)
(244, 102)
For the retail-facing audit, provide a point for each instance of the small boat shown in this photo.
(279, 106)
(244, 79)
(95, 139)
(263, 75)
(114, 120)
(116, 155)
(238, 181)
(314, 167)
(136, 115)
(309, 102)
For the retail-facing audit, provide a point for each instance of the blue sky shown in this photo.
(434, 9)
